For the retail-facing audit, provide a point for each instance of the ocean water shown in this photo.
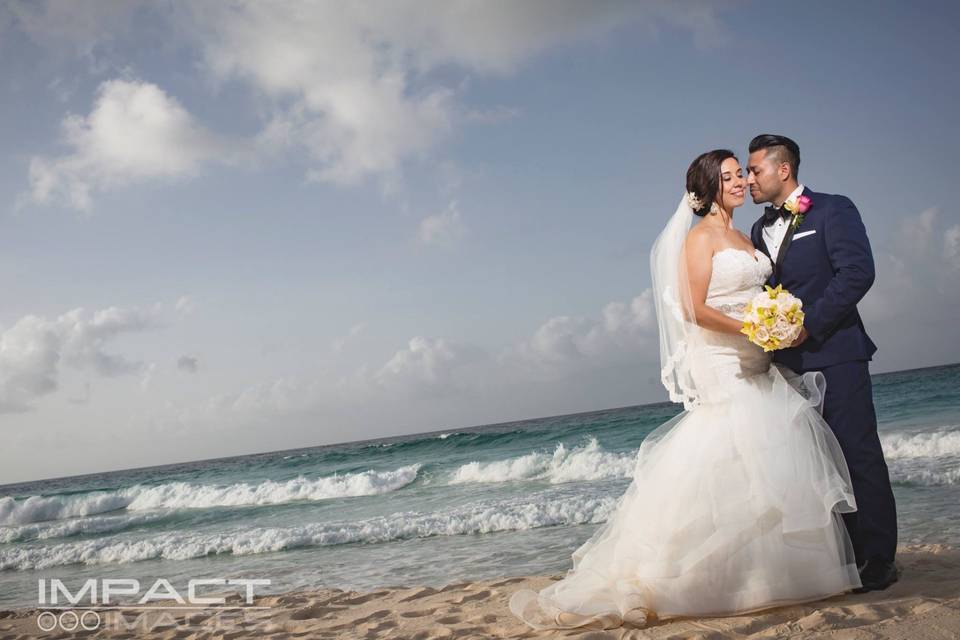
(434, 508)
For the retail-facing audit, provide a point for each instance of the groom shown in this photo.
(825, 260)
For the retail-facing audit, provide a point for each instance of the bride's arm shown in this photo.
(699, 257)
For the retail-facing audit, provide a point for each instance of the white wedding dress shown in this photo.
(734, 504)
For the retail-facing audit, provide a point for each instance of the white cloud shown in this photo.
(190, 364)
(134, 132)
(83, 339)
(914, 262)
(351, 82)
(82, 28)
(444, 229)
(564, 343)
(185, 305)
(360, 87)
(951, 246)
(338, 345)
(146, 375)
(336, 92)
(29, 360)
(262, 401)
(498, 36)
(427, 365)
(449, 375)
(916, 287)
(916, 232)
(34, 349)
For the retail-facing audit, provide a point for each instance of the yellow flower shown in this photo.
(791, 205)
(774, 292)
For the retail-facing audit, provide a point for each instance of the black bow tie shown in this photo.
(770, 214)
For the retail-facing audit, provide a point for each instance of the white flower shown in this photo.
(694, 202)
(780, 332)
(781, 329)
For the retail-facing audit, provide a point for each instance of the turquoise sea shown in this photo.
(432, 508)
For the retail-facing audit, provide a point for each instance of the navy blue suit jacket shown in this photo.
(830, 268)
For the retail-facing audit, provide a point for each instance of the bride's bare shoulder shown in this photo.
(701, 239)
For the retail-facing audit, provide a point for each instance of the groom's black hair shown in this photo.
(781, 148)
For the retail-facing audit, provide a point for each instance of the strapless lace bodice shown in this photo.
(737, 277)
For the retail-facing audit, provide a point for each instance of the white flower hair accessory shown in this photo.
(695, 203)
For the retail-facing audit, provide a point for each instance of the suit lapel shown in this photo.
(788, 239)
(756, 234)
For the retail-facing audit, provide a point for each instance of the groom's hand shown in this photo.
(800, 338)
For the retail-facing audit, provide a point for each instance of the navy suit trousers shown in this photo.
(848, 409)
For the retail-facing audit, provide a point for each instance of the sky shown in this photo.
(238, 227)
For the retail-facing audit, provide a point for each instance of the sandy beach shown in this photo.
(923, 605)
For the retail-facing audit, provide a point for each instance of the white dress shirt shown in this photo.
(773, 234)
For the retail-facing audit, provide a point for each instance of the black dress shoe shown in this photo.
(877, 575)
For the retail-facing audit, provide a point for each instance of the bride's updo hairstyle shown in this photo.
(703, 177)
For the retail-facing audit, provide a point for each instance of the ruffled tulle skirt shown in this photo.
(734, 507)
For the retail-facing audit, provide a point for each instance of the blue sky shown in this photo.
(238, 227)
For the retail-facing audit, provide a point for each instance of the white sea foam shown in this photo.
(927, 458)
(529, 512)
(40, 508)
(75, 526)
(927, 477)
(182, 495)
(935, 444)
(588, 462)
(179, 495)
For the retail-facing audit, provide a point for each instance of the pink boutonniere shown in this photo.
(798, 207)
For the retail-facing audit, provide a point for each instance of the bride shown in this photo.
(735, 502)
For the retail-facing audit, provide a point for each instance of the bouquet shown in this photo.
(773, 318)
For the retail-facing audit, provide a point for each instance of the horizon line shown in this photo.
(399, 436)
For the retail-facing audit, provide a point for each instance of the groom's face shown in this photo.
(762, 177)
